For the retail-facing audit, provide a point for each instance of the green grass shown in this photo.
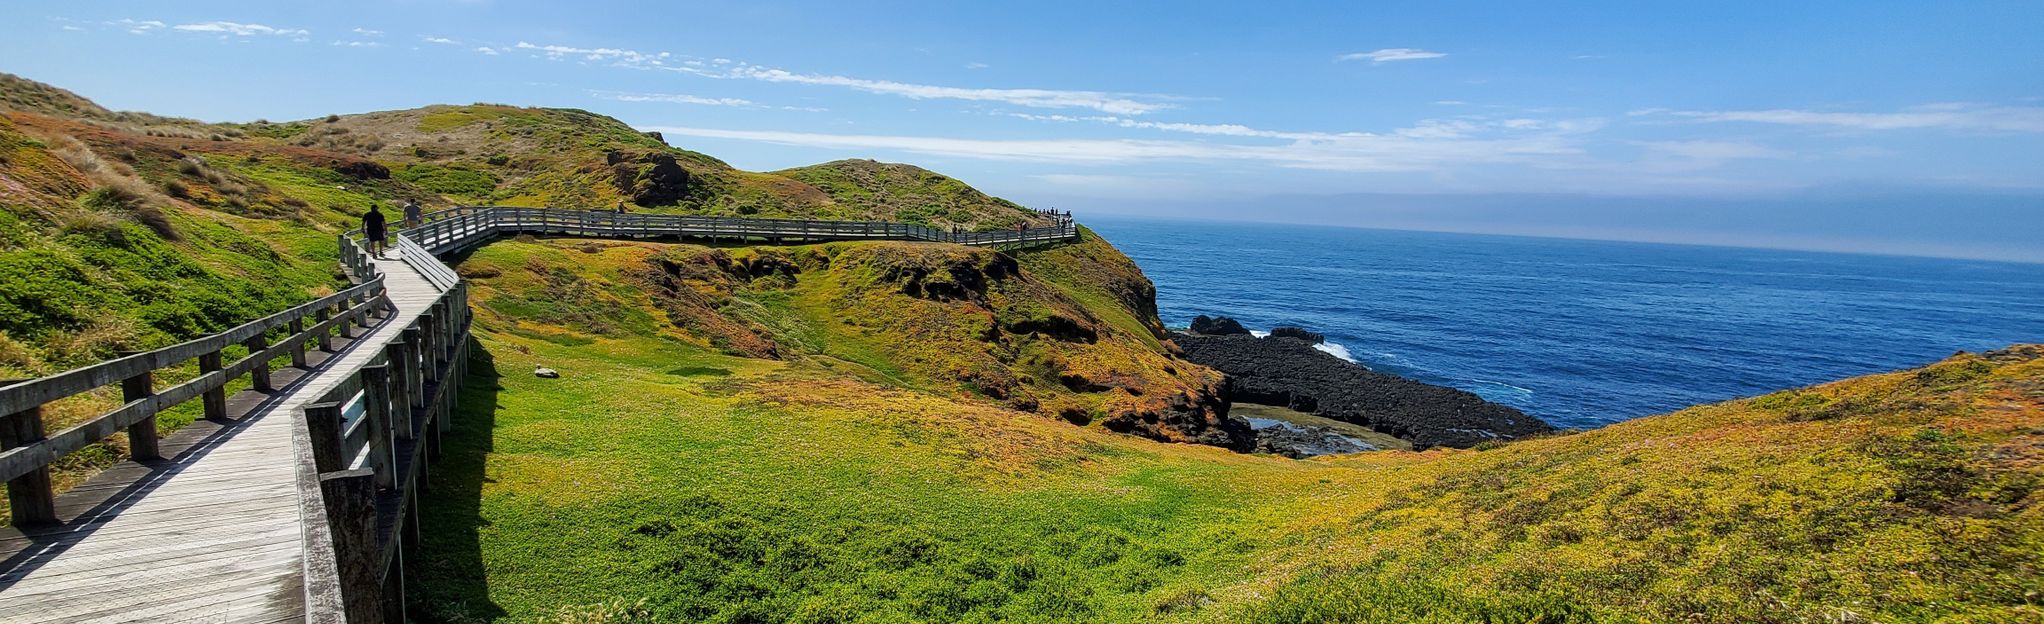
(663, 480)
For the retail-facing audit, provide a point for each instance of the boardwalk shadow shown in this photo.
(446, 579)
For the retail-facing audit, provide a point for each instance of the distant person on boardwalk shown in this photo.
(372, 229)
(620, 206)
(412, 216)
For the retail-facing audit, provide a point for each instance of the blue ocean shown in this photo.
(1585, 333)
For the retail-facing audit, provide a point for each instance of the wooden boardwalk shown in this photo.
(210, 533)
(296, 501)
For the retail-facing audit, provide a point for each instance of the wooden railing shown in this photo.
(25, 462)
(460, 228)
(361, 450)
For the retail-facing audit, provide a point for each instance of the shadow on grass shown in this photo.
(447, 581)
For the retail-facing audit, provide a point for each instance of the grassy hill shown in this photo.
(124, 231)
(883, 432)
(670, 479)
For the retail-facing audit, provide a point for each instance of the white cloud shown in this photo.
(975, 65)
(487, 50)
(368, 33)
(241, 30)
(70, 27)
(673, 98)
(1714, 151)
(1387, 55)
(1359, 152)
(1951, 116)
(1120, 104)
(358, 44)
(628, 58)
(139, 27)
(440, 40)
(1107, 102)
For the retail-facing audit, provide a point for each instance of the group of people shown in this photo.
(377, 232)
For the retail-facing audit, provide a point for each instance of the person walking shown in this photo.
(412, 216)
(372, 229)
(621, 206)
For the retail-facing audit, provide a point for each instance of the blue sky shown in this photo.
(1885, 127)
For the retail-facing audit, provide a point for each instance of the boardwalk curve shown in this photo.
(294, 500)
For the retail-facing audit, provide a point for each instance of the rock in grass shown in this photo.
(545, 373)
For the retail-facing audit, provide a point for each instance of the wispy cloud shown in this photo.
(1424, 129)
(1714, 151)
(368, 33)
(242, 30)
(1386, 55)
(1951, 116)
(139, 27)
(488, 51)
(630, 58)
(672, 98)
(975, 65)
(357, 44)
(440, 40)
(722, 68)
(1356, 152)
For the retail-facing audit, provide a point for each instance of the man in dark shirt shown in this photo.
(412, 216)
(372, 229)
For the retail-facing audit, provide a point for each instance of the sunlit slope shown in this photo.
(671, 476)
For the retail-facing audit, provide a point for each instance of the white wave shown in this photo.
(1526, 391)
(1336, 350)
(1259, 333)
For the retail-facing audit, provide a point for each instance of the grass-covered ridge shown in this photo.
(671, 479)
(123, 231)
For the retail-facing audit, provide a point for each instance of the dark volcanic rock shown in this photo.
(1299, 333)
(1216, 326)
(1298, 442)
(1291, 373)
(1199, 417)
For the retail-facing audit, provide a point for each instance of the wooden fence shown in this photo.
(362, 449)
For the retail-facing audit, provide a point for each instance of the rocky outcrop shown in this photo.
(1217, 326)
(650, 179)
(1299, 333)
(1289, 372)
(1299, 442)
(363, 170)
(1198, 416)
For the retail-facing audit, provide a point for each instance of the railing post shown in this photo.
(323, 424)
(297, 329)
(259, 376)
(30, 497)
(142, 442)
(399, 355)
(215, 399)
(376, 395)
(350, 498)
(415, 380)
(326, 336)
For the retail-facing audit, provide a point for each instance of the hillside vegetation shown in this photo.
(889, 432)
(123, 231)
(667, 478)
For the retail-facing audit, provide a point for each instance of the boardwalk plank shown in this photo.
(211, 534)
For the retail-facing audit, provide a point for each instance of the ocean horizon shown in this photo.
(1584, 333)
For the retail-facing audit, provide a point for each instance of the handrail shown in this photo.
(346, 465)
(457, 228)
